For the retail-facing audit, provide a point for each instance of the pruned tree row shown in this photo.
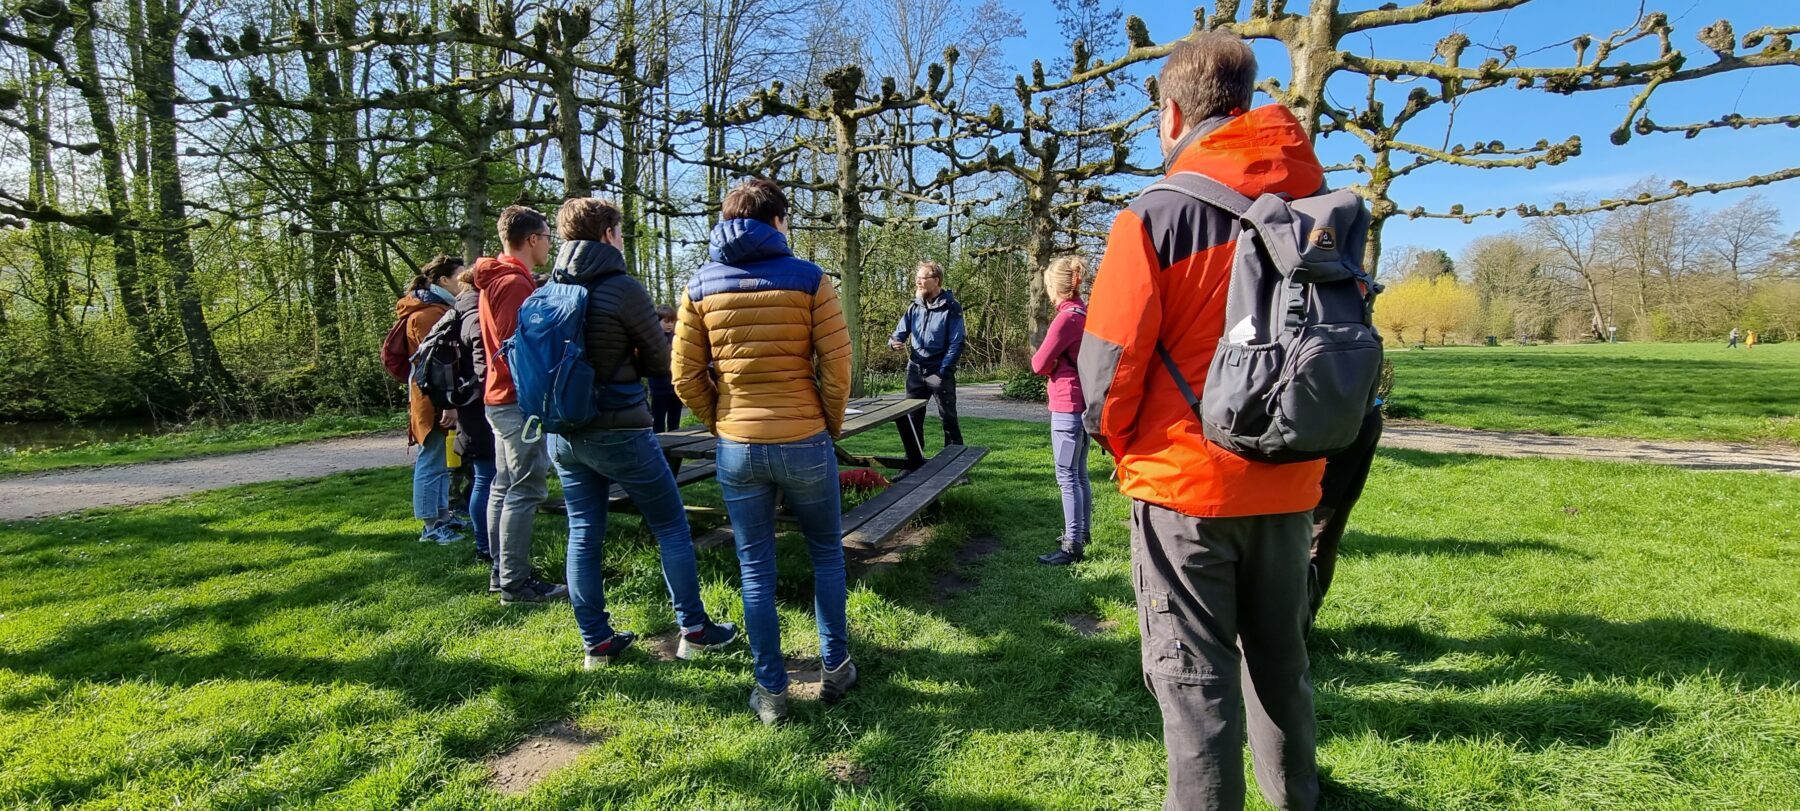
(211, 206)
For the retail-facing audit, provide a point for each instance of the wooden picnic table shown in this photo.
(917, 485)
(873, 412)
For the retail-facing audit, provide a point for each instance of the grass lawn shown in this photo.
(1502, 634)
(1648, 391)
(202, 441)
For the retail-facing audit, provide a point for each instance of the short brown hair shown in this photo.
(1210, 75)
(518, 223)
(587, 218)
(665, 313)
(937, 270)
(755, 199)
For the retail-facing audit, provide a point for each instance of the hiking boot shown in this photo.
(535, 591)
(835, 683)
(1067, 552)
(707, 637)
(770, 708)
(607, 652)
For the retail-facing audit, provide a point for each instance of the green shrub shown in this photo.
(1022, 384)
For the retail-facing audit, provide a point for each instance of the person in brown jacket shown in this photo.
(432, 293)
(762, 356)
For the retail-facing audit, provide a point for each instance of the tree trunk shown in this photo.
(207, 373)
(41, 191)
(630, 162)
(112, 167)
(849, 229)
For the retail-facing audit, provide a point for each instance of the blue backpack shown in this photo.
(547, 355)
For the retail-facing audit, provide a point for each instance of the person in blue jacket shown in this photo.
(933, 324)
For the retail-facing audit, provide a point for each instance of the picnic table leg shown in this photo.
(912, 440)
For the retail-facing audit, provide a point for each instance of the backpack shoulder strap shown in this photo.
(1181, 381)
(1206, 190)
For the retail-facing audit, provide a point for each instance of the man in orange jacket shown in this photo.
(1219, 543)
(521, 475)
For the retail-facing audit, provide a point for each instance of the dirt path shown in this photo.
(983, 400)
(42, 494)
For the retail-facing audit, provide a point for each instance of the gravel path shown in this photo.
(44, 494)
(983, 400)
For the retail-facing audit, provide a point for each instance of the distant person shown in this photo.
(523, 461)
(432, 293)
(1750, 339)
(762, 356)
(1056, 359)
(1219, 542)
(474, 437)
(624, 341)
(933, 325)
(665, 405)
(1732, 341)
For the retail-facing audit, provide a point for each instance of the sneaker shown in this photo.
(708, 637)
(482, 556)
(1067, 552)
(447, 535)
(535, 591)
(835, 683)
(493, 580)
(435, 533)
(458, 521)
(606, 652)
(770, 708)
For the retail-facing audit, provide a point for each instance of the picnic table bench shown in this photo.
(917, 485)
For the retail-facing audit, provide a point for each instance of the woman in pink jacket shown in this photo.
(1055, 359)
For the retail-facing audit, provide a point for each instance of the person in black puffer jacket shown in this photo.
(474, 437)
(624, 342)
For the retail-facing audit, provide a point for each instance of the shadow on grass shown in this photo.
(1374, 544)
(1575, 662)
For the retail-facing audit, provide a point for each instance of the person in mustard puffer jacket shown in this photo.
(762, 356)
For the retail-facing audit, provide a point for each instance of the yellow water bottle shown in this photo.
(452, 459)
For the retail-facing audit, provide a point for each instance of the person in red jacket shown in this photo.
(1055, 359)
(520, 477)
(1219, 542)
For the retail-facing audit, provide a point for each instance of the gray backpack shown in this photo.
(1297, 367)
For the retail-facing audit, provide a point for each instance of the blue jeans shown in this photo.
(431, 479)
(805, 473)
(589, 464)
(1069, 444)
(483, 474)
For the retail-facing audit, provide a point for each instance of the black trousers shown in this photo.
(1341, 487)
(665, 412)
(1222, 613)
(946, 399)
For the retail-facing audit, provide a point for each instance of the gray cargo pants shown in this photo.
(1222, 607)
(521, 474)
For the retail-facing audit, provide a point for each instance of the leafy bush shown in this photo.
(1022, 384)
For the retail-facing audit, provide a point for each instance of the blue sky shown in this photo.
(1522, 117)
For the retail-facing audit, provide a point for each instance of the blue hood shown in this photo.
(737, 242)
